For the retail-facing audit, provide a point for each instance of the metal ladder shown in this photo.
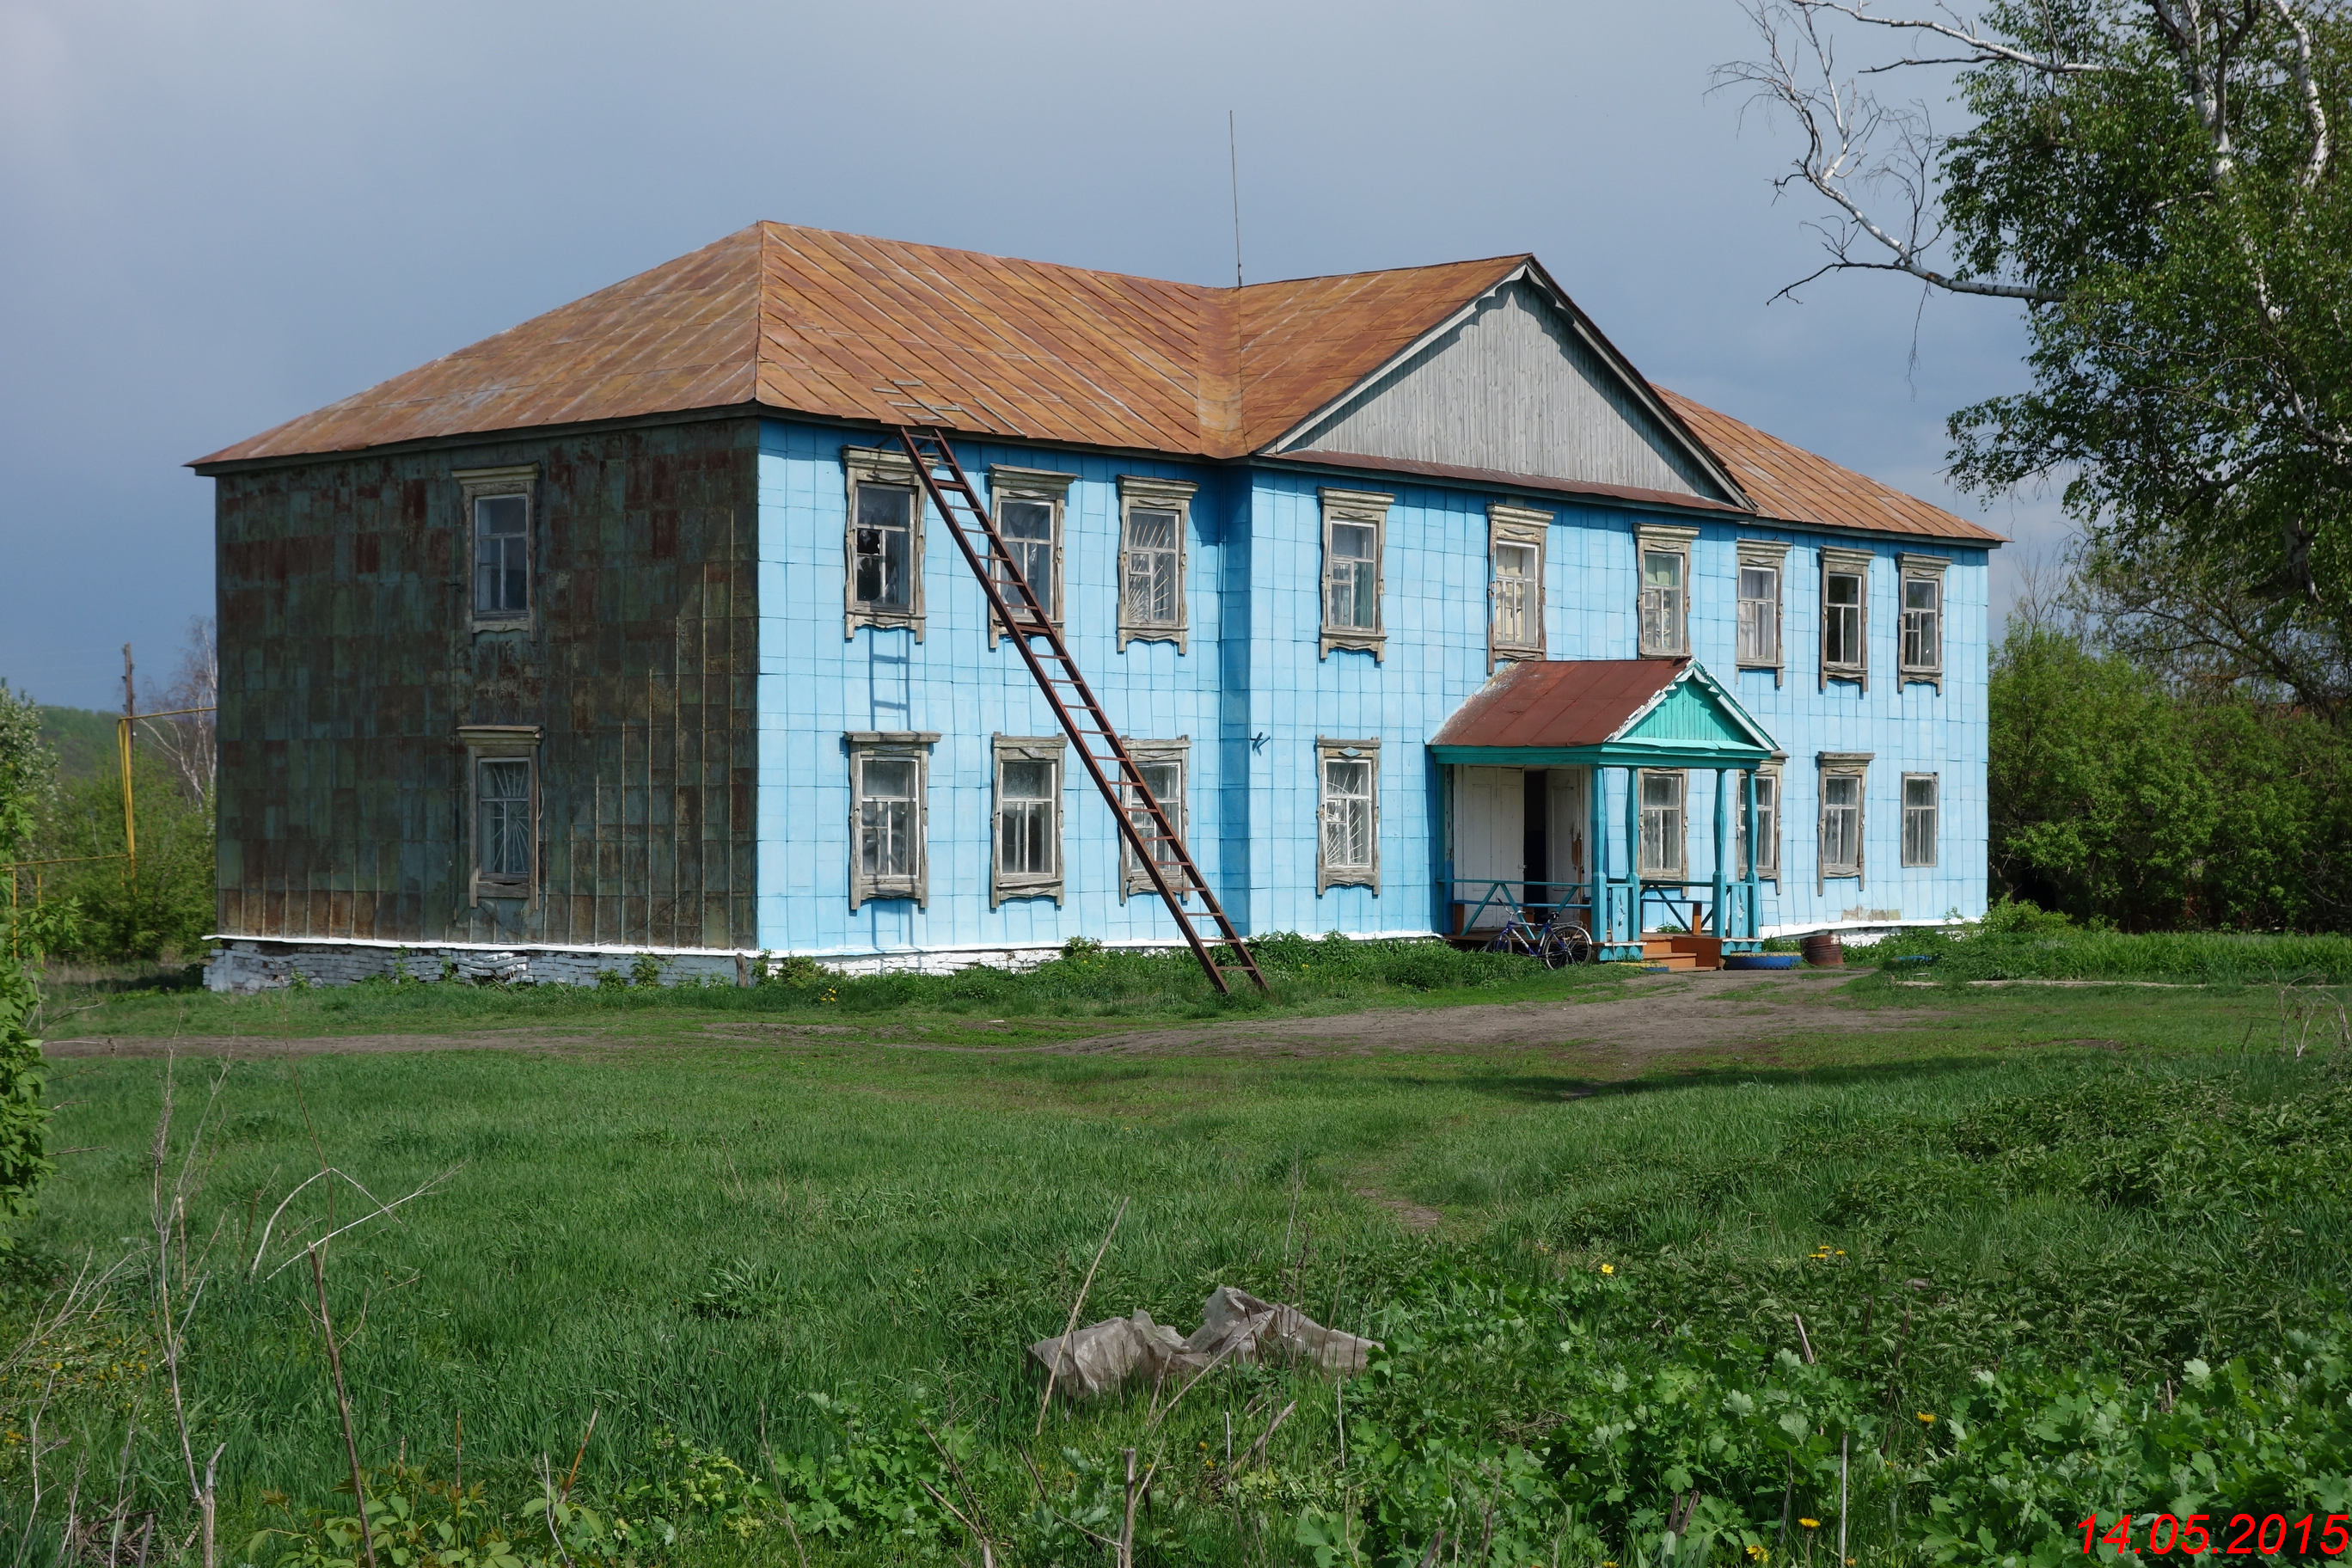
(1022, 616)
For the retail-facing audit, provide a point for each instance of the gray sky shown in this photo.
(215, 216)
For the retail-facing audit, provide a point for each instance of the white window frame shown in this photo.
(1361, 507)
(483, 484)
(874, 465)
(1524, 528)
(1003, 883)
(1766, 555)
(1768, 836)
(1934, 815)
(499, 743)
(1133, 878)
(1149, 494)
(1662, 539)
(1909, 569)
(1679, 869)
(866, 746)
(1846, 563)
(1327, 875)
(1051, 491)
(1855, 765)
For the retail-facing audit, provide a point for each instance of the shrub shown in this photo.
(24, 1118)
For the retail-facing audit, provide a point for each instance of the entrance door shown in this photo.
(1571, 825)
(1489, 840)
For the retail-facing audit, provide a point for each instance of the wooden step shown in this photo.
(1705, 951)
(1673, 961)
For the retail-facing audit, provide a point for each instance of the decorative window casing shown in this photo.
(1922, 803)
(1844, 778)
(1355, 539)
(1028, 505)
(1767, 825)
(889, 781)
(884, 543)
(1920, 656)
(1155, 520)
(1666, 849)
(502, 809)
(1515, 587)
(1167, 768)
(1347, 812)
(1661, 563)
(1845, 617)
(499, 505)
(1025, 856)
(1763, 575)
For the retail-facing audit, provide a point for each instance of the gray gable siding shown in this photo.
(1512, 389)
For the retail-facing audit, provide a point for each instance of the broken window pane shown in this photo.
(502, 799)
(883, 543)
(1151, 576)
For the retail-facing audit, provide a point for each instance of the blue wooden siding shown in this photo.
(1253, 695)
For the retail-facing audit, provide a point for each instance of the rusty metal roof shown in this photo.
(1559, 702)
(1797, 485)
(845, 326)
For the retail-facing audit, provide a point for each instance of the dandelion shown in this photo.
(1609, 1268)
(1927, 1417)
(1811, 1523)
(1756, 1553)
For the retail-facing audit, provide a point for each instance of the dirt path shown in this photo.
(1650, 1017)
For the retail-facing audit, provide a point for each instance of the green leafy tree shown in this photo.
(2158, 184)
(27, 774)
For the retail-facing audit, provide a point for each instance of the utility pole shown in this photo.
(130, 824)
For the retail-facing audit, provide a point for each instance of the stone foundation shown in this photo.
(245, 964)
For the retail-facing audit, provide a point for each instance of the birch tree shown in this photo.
(2157, 185)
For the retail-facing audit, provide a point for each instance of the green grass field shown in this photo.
(689, 1240)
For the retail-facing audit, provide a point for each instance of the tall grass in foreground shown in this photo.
(1309, 974)
(793, 1284)
(2208, 958)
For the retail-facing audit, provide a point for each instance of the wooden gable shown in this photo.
(1517, 384)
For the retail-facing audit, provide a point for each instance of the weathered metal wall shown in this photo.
(1511, 390)
(347, 667)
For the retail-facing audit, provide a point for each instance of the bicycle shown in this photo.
(1556, 940)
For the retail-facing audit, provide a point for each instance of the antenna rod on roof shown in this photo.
(1233, 162)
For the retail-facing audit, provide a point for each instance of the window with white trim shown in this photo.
(1347, 847)
(1027, 859)
(1514, 553)
(1768, 824)
(1664, 852)
(1663, 565)
(1355, 523)
(1165, 765)
(1922, 653)
(502, 788)
(1154, 519)
(1920, 802)
(888, 782)
(497, 509)
(1842, 779)
(1028, 504)
(1762, 563)
(883, 541)
(1845, 617)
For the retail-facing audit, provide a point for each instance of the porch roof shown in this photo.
(1613, 713)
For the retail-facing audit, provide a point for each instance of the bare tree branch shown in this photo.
(1983, 48)
(1840, 121)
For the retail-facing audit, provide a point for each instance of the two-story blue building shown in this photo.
(629, 630)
